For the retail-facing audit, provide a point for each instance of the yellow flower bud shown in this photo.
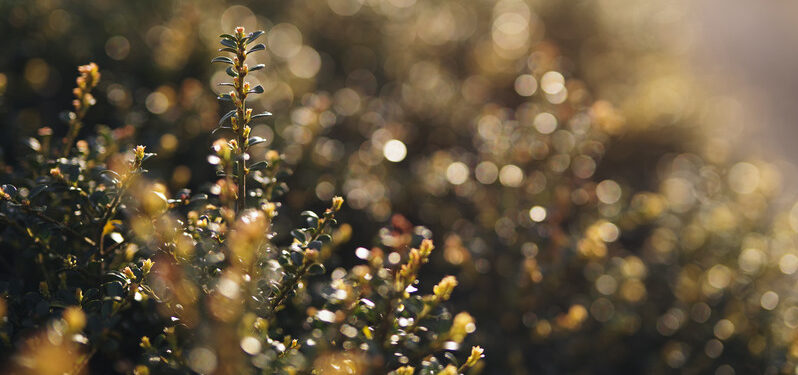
(146, 266)
(337, 203)
(129, 273)
(239, 31)
(145, 342)
(405, 370)
(476, 355)
(139, 152)
(444, 288)
(426, 248)
(449, 370)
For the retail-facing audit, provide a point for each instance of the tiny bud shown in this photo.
(476, 355)
(129, 273)
(56, 173)
(444, 288)
(405, 370)
(426, 248)
(248, 115)
(3, 194)
(145, 342)
(146, 266)
(246, 84)
(246, 131)
(269, 209)
(337, 203)
(239, 31)
(139, 152)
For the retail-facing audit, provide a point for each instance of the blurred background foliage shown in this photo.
(580, 180)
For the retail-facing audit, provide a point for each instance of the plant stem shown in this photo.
(241, 112)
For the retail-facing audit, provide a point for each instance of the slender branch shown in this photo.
(28, 209)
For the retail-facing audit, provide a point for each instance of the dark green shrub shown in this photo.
(107, 271)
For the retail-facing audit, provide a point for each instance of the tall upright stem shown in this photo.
(241, 115)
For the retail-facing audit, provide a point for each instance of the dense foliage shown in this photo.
(82, 291)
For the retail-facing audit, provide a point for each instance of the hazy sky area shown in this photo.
(749, 50)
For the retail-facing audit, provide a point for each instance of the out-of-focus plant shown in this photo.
(109, 272)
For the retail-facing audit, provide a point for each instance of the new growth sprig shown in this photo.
(87, 80)
(239, 45)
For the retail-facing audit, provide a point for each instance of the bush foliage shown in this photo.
(111, 274)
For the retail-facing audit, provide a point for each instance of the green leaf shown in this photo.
(37, 190)
(326, 238)
(254, 35)
(111, 175)
(227, 49)
(310, 213)
(228, 43)
(264, 114)
(452, 359)
(114, 289)
(256, 48)
(148, 156)
(225, 97)
(231, 72)
(220, 128)
(226, 116)
(316, 269)
(222, 59)
(257, 90)
(299, 235)
(227, 36)
(255, 140)
(297, 257)
(257, 67)
(226, 84)
(259, 165)
(199, 198)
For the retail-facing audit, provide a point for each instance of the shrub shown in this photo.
(108, 271)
